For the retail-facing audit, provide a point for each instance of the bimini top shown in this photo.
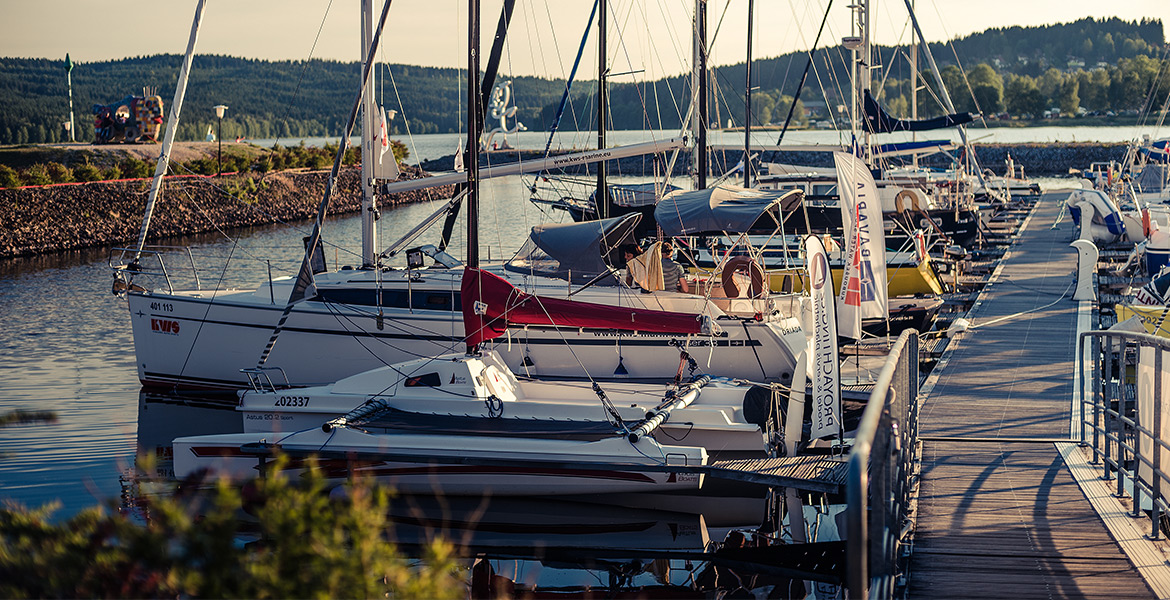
(573, 249)
(721, 208)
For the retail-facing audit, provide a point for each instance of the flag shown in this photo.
(863, 285)
(68, 63)
(385, 164)
(459, 158)
(826, 381)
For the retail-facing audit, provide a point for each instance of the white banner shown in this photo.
(863, 285)
(826, 381)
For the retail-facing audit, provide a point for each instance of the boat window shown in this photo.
(428, 380)
(824, 189)
(419, 299)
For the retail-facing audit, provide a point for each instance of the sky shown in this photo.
(648, 38)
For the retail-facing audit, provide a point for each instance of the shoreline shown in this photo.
(65, 217)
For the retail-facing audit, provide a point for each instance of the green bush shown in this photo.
(36, 175)
(310, 547)
(135, 168)
(87, 172)
(59, 173)
(9, 177)
(112, 173)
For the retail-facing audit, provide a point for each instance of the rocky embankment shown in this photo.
(68, 217)
(1037, 160)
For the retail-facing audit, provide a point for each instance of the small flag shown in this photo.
(68, 63)
(459, 158)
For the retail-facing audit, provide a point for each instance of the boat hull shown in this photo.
(191, 340)
(422, 464)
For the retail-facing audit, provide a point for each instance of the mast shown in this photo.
(164, 156)
(914, 84)
(601, 197)
(489, 81)
(305, 276)
(369, 113)
(699, 93)
(946, 96)
(474, 117)
(747, 102)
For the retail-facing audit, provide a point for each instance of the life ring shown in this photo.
(902, 197)
(730, 289)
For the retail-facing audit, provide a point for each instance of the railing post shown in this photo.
(1156, 484)
(1098, 395)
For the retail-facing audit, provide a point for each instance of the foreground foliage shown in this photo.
(307, 545)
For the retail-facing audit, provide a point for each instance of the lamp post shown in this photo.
(219, 110)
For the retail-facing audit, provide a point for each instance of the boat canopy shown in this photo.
(877, 120)
(574, 251)
(491, 304)
(722, 208)
(1153, 179)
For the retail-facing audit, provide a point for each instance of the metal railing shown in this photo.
(883, 469)
(129, 263)
(148, 267)
(1121, 414)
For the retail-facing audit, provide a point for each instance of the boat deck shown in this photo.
(1000, 513)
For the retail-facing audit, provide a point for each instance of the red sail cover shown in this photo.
(501, 304)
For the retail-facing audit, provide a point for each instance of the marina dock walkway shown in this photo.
(1000, 514)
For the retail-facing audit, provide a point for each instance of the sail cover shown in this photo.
(576, 250)
(490, 304)
(877, 120)
(720, 208)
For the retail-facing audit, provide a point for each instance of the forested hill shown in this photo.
(1095, 65)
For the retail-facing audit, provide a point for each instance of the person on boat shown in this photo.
(635, 269)
(673, 276)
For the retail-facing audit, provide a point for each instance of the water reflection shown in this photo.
(615, 546)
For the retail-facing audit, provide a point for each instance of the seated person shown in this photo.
(643, 270)
(673, 276)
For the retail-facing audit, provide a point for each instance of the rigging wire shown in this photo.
(305, 68)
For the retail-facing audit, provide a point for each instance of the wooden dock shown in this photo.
(999, 514)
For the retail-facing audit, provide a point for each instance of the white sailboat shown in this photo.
(354, 320)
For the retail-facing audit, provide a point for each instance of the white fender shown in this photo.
(1086, 265)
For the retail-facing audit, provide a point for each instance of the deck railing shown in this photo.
(883, 468)
(1125, 380)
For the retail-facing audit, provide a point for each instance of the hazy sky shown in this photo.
(647, 36)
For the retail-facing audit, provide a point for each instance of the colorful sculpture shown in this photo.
(131, 120)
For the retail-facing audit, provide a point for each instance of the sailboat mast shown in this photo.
(474, 114)
(699, 87)
(164, 156)
(946, 96)
(369, 127)
(914, 84)
(601, 198)
(747, 102)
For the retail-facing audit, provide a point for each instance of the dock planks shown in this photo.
(1006, 518)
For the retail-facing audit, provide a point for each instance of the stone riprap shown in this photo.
(55, 218)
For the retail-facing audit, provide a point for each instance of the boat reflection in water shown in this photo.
(556, 547)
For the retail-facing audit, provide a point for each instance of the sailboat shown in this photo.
(546, 449)
(336, 323)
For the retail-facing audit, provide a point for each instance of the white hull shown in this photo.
(468, 395)
(528, 467)
(203, 339)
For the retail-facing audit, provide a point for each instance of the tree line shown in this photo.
(1099, 65)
